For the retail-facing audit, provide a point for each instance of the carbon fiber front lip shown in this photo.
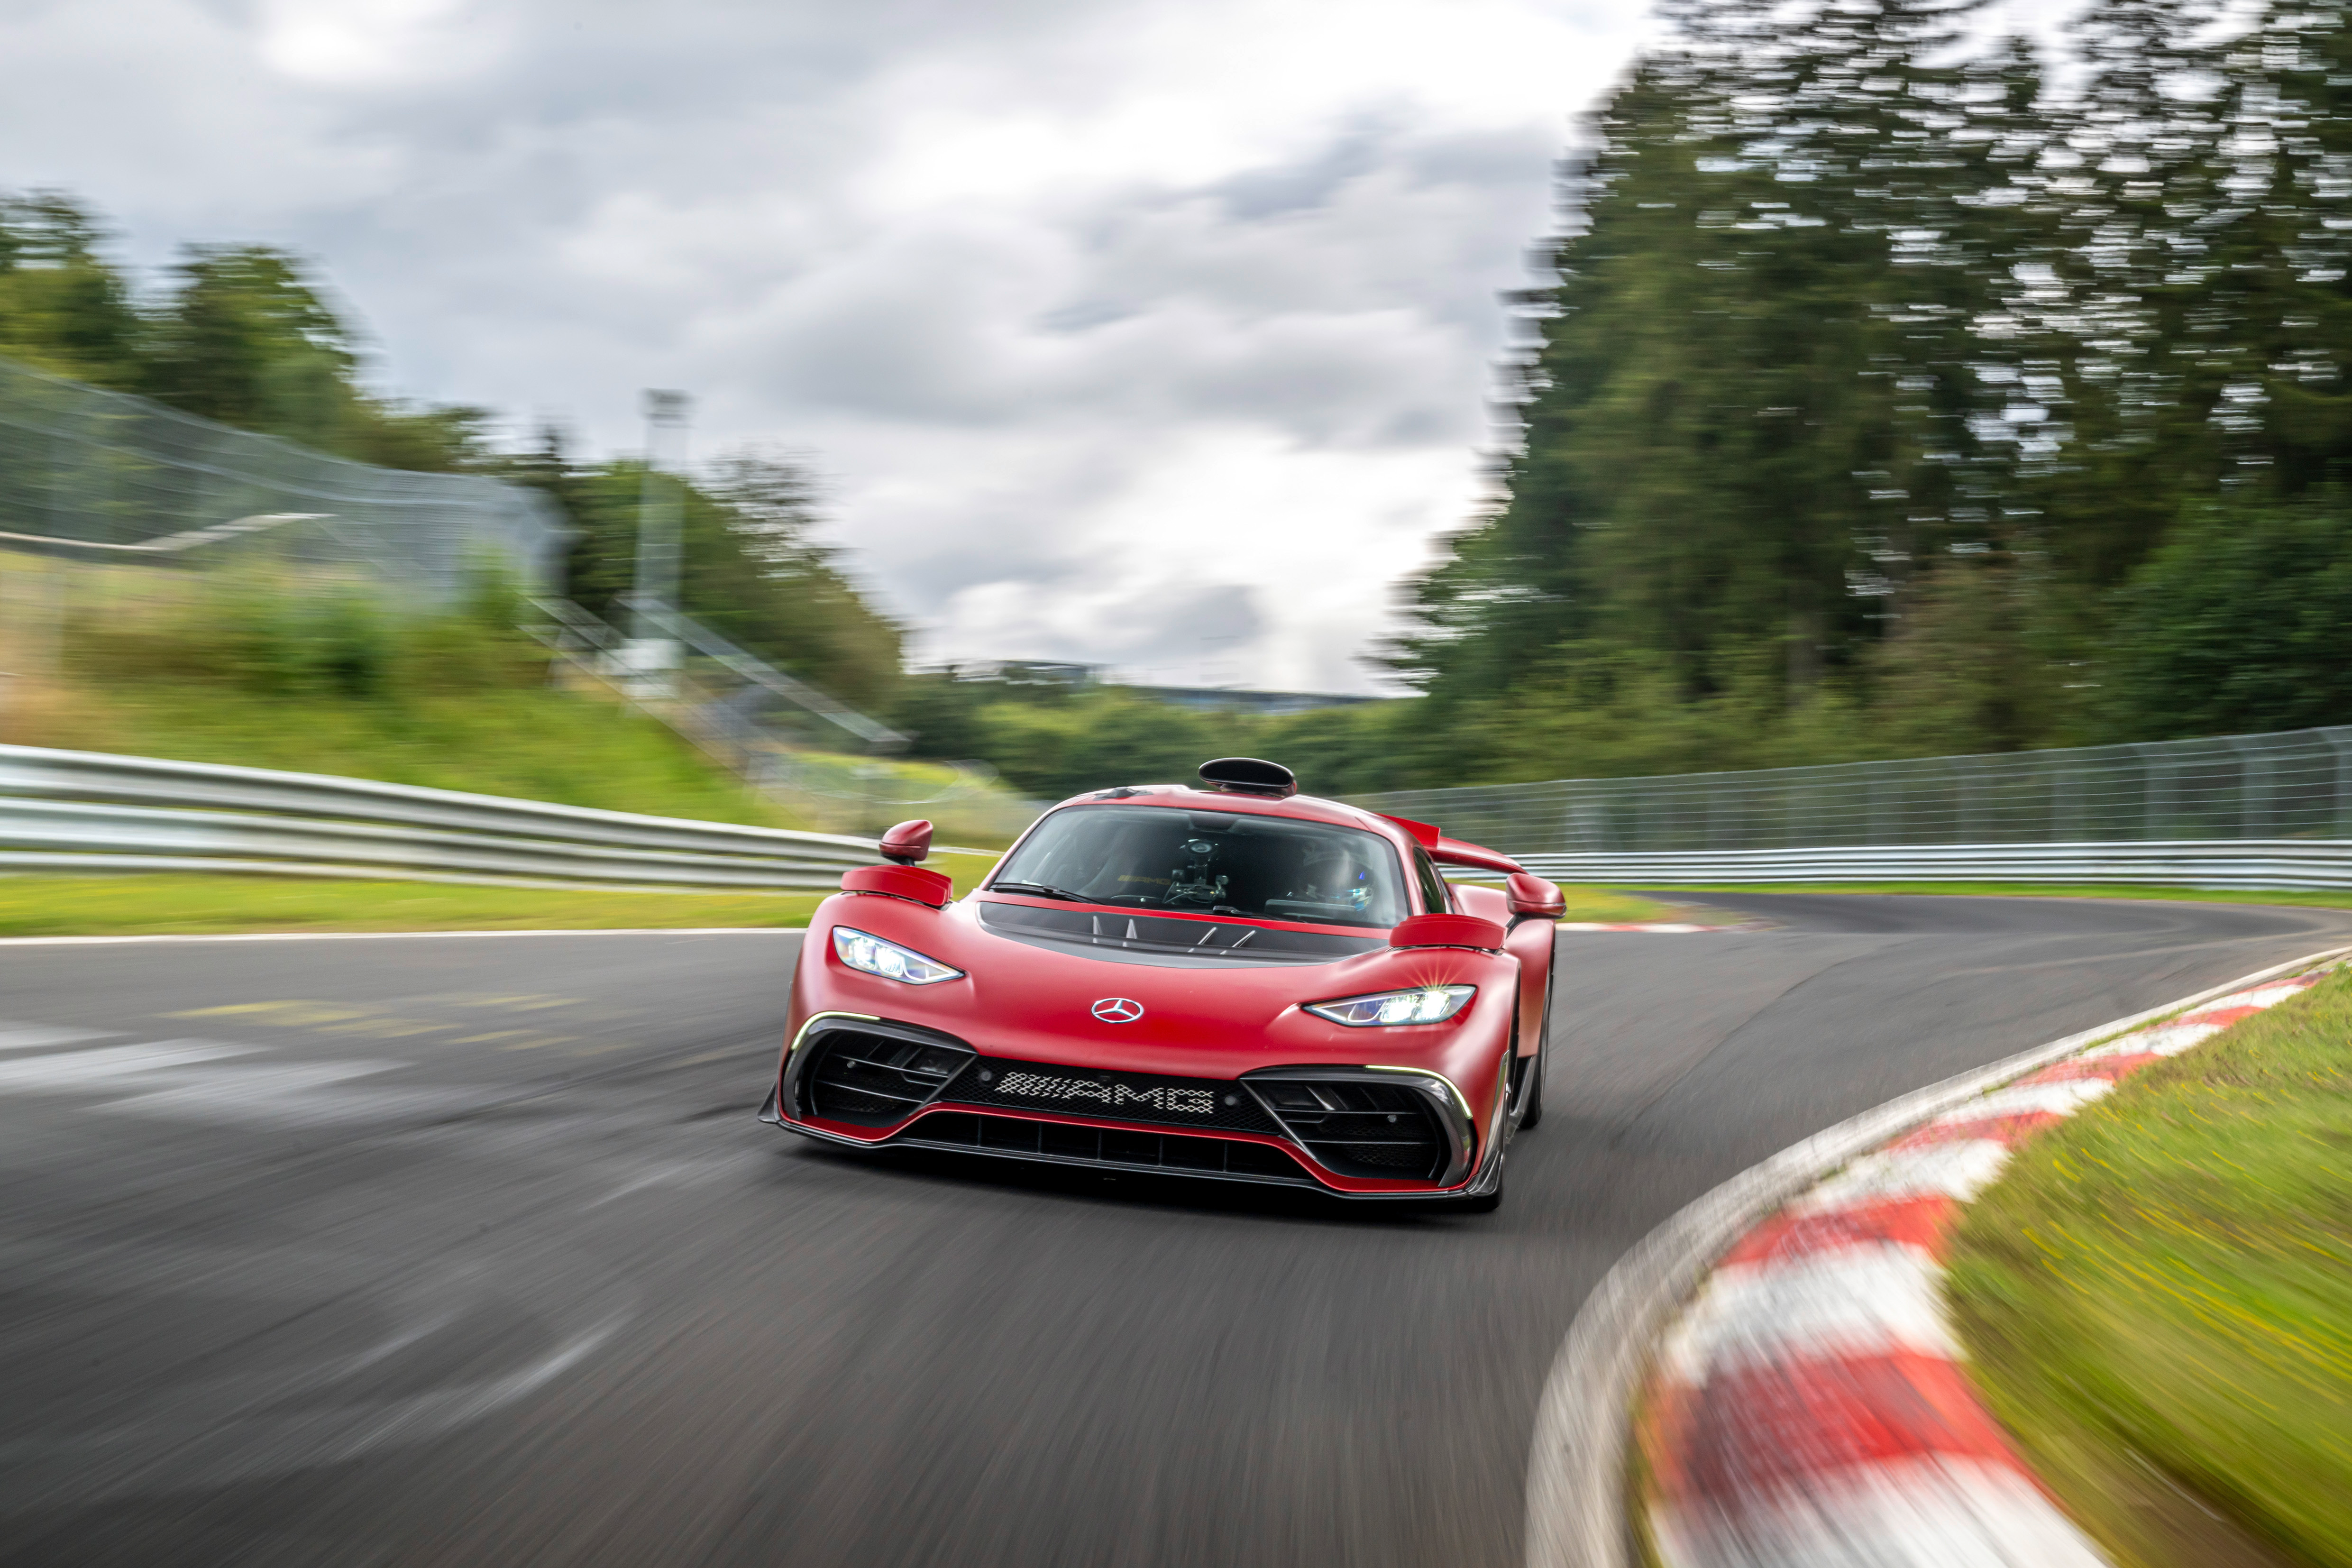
(1306, 1181)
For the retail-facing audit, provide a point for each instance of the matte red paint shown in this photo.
(1421, 833)
(913, 883)
(1448, 930)
(907, 843)
(1473, 856)
(1533, 896)
(1022, 1001)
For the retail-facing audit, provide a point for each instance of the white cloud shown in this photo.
(1154, 332)
(378, 43)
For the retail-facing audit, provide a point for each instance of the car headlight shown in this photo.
(872, 956)
(1422, 1004)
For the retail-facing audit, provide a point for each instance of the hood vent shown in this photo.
(1158, 936)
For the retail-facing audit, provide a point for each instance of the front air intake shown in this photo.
(1362, 1127)
(865, 1077)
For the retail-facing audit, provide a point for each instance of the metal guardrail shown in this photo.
(2294, 784)
(88, 811)
(85, 811)
(2221, 863)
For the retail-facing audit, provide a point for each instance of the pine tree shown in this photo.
(1754, 407)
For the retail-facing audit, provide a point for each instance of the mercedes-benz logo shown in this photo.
(1117, 1010)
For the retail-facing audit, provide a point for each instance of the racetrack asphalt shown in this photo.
(469, 1250)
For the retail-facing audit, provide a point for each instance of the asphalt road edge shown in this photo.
(1576, 1473)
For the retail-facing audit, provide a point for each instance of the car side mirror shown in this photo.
(907, 843)
(1534, 896)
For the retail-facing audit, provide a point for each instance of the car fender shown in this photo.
(1532, 940)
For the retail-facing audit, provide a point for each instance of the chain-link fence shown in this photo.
(2294, 785)
(825, 762)
(99, 476)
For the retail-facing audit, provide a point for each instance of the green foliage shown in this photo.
(751, 566)
(2157, 1298)
(62, 307)
(266, 672)
(1351, 750)
(246, 335)
(247, 340)
(262, 635)
(1962, 672)
(2238, 623)
(1095, 741)
(1873, 375)
(243, 335)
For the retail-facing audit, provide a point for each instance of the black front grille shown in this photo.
(1361, 1128)
(870, 1080)
(1168, 1152)
(1190, 1102)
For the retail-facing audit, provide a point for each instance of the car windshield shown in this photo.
(1211, 863)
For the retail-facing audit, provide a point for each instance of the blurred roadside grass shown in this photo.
(1601, 906)
(264, 667)
(2157, 1298)
(1607, 905)
(193, 903)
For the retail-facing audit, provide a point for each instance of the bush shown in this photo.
(2237, 625)
(270, 636)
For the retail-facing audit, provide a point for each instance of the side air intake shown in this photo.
(867, 1079)
(1365, 1127)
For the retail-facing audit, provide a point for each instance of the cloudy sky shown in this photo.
(1153, 332)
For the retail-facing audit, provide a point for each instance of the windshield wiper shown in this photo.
(1041, 890)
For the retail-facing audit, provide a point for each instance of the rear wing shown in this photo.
(1453, 851)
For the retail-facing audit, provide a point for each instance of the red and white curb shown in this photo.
(1809, 1405)
(1663, 928)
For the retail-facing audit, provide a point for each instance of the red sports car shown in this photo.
(1237, 982)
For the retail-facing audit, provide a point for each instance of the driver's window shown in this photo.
(1434, 898)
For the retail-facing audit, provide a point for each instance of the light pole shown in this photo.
(660, 508)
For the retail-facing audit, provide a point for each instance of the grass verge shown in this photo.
(532, 743)
(196, 904)
(2157, 1299)
(1607, 905)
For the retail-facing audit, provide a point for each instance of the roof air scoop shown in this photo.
(1247, 776)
